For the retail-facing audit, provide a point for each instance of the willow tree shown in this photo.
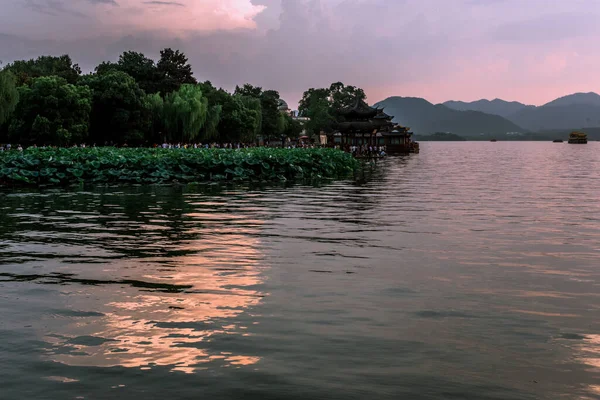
(213, 118)
(9, 96)
(156, 106)
(282, 123)
(186, 111)
(253, 117)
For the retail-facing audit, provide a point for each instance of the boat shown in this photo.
(578, 138)
(493, 140)
(557, 141)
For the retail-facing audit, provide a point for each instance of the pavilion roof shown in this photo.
(360, 110)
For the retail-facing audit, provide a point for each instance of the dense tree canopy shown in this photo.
(9, 95)
(119, 109)
(137, 100)
(61, 66)
(342, 96)
(139, 67)
(323, 105)
(316, 105)
(174, 71)
(51, 111)
(271, 126)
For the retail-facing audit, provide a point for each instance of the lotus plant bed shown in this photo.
(101, 165)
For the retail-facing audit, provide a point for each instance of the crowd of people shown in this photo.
(357, 151)
(367, 151)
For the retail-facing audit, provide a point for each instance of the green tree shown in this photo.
(51, 111)
(323, 105)
(293, 128)
(155, 106)
(342, 96)
(120, 112)
(241, 113)
(174, 71)
(139, 67)
(249, 91)
(250, 118)
(9, 95)
(240, 119)
(316, 105)
(213, 118)
(185, 113)
(282, 123)
(269, 101)
(62, 66)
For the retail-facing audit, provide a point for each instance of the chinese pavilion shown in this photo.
(371, 126)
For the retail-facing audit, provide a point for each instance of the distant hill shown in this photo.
(496, 106)
(575, 111)
(439, 137)
(549, 117)
(590, 98)
(425, 118)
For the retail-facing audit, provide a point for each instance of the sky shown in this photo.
(531, 51)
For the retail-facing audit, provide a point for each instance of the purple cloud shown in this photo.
(437, 49)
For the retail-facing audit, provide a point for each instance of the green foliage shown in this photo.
(62, 166)
(139, 67)
(62, 66)
(322, 106)
(120, 111)
(241, 119)
(248, 91)
(51, 111)
(137, 100)
(342, 96)
(9, 96)
(185, 113)
(166, 76)
(316, 105)
(155, 106)
(293, 128)
(213, 119)
(241, 114)
(269, 102)
(174, 71)
(282, 123)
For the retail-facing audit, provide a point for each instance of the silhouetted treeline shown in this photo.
(136, 100)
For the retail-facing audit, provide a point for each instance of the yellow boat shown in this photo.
(577, 138)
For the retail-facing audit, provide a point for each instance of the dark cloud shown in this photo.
(112, 2)
(51, 7)
(164, 3)
(464, 49)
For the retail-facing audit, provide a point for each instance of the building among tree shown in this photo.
(361, 124)
(284, 108)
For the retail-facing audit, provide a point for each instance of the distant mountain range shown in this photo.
(426, 118)
(496, 118)
(496, 106)
(575, 111)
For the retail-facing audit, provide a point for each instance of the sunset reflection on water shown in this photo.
(468, 271)
(143, 327)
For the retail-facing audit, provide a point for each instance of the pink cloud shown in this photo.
(182, 16)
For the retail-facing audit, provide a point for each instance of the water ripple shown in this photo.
(468, 271)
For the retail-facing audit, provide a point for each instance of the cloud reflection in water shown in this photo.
(169, 326)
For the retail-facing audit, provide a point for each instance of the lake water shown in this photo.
(469, 271)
